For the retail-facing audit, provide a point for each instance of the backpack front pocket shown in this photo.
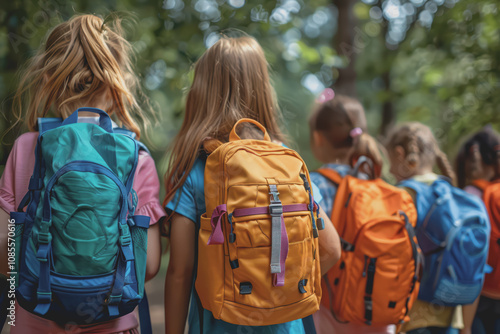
(253, 281)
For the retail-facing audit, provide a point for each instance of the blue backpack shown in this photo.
(80, 250)
(453, 232)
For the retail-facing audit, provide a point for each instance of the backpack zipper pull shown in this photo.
(311, 205)
(232, 236)
(366, 266)
(306, 183)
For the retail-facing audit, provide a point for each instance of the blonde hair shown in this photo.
(420, 147)
(336, 118)
(83, 60)
(231, 81)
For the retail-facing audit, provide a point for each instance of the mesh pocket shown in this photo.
(140, 237)
(140, 242)
(454, 293)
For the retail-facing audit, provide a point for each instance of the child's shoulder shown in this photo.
(25, 144)
(26, 138)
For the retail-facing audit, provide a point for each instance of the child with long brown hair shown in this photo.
(338, 138)
(413, 152)
(84, 62)
(231, 82)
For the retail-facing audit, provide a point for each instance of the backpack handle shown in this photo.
(234, 136)
(362, 160)
(104, 119)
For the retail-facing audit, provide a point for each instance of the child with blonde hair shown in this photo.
(84, 63)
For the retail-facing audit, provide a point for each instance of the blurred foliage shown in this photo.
(441, 56)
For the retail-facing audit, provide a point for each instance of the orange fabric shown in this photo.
(491, 198)
(365, 214)
(238, 173)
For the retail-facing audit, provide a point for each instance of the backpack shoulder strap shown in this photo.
(331, 175)
(48, 123)
(417, 187)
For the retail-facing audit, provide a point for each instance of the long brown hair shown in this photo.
(83, 60)
(231, 81)
(420, 147)
(336, 118)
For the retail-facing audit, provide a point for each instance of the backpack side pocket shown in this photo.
(139, 233)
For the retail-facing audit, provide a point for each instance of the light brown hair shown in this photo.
(336, 118)
(231, 81)
(420, 147)
(83, 61)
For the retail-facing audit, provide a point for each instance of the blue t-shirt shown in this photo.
(189, 201)
(328, 189)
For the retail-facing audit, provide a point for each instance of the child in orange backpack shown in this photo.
(413, 152)
(338, 138)
(84, 64)
(231, 86)
(478, 167)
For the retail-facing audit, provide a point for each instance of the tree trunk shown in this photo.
(344, 45)
(387, 107)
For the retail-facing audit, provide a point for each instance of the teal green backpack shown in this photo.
(81, 251)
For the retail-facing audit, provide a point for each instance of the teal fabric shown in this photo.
(140, 241)
(85, 232)
(189, 201)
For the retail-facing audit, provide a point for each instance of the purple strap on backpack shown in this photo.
(217, 237)
(279, 278)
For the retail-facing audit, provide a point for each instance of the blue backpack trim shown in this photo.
(49, 123)
(453, 232)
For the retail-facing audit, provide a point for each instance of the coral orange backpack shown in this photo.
(491, 198)
(376, 280)
(258, 256)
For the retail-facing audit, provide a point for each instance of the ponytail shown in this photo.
(82, 61)
(412, 151)
(444, 165)
(366, 145)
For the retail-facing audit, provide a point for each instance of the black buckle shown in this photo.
(302, 284)
(245, 288)
(234, 264)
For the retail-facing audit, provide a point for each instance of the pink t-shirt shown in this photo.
(13, 187)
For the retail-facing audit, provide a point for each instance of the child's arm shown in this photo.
(4, 218)
(179, 279)
(154, 251)
(329, 244)
(468, 313)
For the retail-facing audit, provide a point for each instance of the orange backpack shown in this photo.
(491, 198)
(258, 256)
(376, 280)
